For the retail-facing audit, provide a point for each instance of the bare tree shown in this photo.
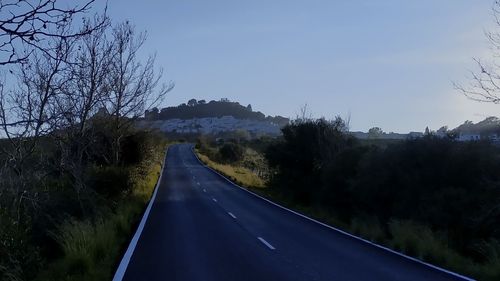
(62, 93)
(79, 101)
(27, 111)
(29, 25)
(134, 85)
(25, 117)
(485, 81)
(304, 115)
(31, 110)
(86, 88)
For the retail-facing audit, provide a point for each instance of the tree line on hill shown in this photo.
(490, 125)
(202, 109)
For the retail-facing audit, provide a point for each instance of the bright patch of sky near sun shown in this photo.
(387, 63)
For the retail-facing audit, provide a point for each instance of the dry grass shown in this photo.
(239, 175)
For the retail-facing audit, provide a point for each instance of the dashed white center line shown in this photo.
(204, 190)
(215, 200)
(266, 243)
(198, 183)
(231, 214)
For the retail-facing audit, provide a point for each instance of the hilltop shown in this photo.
(218, 118)
(213, 109)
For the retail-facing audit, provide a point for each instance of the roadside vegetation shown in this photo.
(71, 234)
(75, 172)
(242, 165)
(91, 248)
(432, 198)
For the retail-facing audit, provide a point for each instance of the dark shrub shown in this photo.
(231, 152)
(109, 181)
(449, 186)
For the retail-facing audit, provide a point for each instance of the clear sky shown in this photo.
(387, 63)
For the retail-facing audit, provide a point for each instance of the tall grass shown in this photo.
(92, 249)
(421, 242)
(369, 228)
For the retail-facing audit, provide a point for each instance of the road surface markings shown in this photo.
(198, 183)
(215, 200)
(266, 243)
(204, 190)
(231, 214)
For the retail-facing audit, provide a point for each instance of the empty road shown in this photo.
(201, 227)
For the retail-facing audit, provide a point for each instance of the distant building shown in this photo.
(494, 137)
(388, 136)
(468, 136)
(415, 135)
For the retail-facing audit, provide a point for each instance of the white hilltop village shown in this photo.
(213, 126)
(212, 118)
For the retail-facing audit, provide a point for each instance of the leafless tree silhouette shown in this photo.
(27, 25)
(484, 84)
(134, 86)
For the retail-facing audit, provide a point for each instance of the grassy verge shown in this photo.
(240, 175)
(92, 249)
(407, 237)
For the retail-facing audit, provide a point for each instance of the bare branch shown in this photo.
(484, 83)
(27, 25)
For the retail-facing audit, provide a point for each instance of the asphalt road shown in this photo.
(201, 227)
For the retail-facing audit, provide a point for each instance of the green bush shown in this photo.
(231, 153)
(110, 181)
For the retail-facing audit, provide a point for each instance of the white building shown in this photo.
(468, 136)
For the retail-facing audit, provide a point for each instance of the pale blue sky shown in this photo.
(389, 63)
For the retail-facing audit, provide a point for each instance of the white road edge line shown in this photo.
(266, 243)
(122, 267)
(215, 200)
(231, 214)
(338, 230)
